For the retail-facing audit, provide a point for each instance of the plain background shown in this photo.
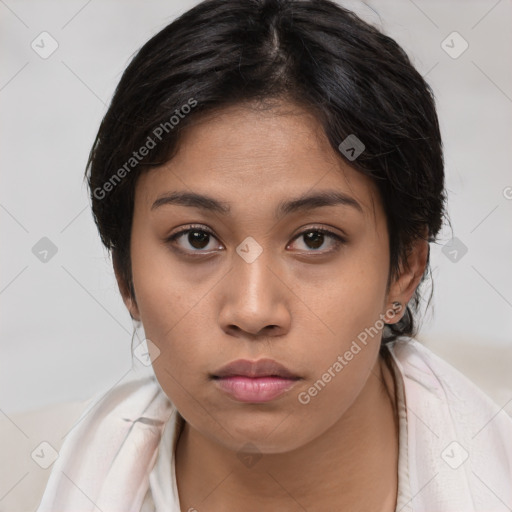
(65, 333)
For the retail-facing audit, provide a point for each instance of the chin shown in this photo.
(269, 436)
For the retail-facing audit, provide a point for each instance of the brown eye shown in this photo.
(198, 239)
(193, 240)
(314, 239)
(317, 238)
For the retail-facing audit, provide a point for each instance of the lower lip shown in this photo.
(255, 389)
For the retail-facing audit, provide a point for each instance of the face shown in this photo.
(247, 271)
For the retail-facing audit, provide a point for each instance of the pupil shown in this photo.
(197, 239)
(315, 238)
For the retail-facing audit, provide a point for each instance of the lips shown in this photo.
(254, 381)
(260, 368)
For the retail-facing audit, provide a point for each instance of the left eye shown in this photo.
(315, 239)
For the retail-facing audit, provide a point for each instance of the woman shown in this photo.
(268, 177)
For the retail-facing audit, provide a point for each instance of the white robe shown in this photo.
(455, 446)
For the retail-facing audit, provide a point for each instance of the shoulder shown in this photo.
(127, 396)
(111, 413)
(110, 448)
(32, 441)
(426, 374)
(459, 439)
(419, 364)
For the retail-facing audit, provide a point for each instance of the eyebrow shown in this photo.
(299, 204)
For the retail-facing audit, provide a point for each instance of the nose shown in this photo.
(254, 300)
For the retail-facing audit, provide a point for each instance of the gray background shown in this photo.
(65, 333)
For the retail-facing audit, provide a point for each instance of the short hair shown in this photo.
(354, 79)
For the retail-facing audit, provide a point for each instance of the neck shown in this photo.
(352, 466)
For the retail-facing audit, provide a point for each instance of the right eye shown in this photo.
(194, 239)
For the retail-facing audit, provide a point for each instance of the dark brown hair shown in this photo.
(352, 77)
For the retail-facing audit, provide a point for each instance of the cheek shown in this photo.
(344, 355)
(172, 300)
(351, 299)
(349, 307)
(160, 288)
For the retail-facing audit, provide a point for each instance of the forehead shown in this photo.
(250, 155)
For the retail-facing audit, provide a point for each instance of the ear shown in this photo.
(404, 285)
(128, 298)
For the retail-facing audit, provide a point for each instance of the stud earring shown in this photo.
(396, 306)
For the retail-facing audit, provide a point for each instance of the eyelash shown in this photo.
(338, 240)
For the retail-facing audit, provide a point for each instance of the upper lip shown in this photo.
(260, 368)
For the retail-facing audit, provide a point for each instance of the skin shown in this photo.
(299, 302)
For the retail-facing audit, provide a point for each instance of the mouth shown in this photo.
(254, 381)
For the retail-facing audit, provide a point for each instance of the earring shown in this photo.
(396, 306)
